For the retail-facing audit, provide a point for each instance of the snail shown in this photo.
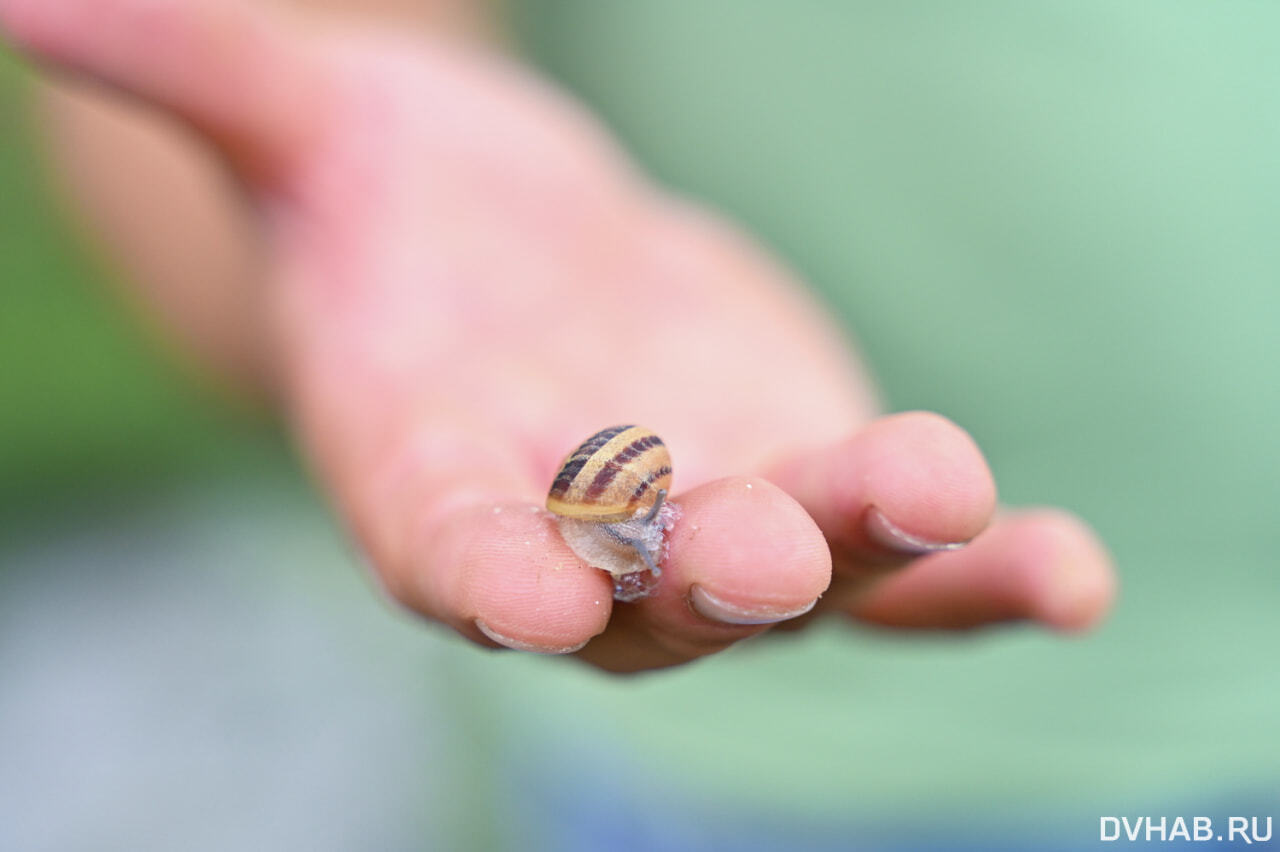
(610, 501)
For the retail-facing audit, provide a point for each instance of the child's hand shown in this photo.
(470, 278)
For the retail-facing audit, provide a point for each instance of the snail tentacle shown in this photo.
(657, 506)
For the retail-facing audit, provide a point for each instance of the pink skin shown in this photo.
(469, 277)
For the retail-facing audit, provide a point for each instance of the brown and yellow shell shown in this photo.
(612, 475)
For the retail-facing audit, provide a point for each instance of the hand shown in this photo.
(469, 278)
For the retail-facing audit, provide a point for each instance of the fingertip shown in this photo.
(905, 485)
(927, 476)
(746, 553)
(521, 587)
(1044, 566)
(1078, 584)
(501, 571)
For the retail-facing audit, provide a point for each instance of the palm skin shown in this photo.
(469, 277)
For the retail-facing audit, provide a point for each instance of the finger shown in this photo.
(242, 73)
(500, 573)
(905, 485)
(1044, 566)
(742, 556)
(451, 523)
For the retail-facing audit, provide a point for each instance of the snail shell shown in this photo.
(609, 497)
(612, 475)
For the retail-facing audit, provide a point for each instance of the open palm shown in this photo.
(470, 278)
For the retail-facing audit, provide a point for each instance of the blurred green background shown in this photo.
(1055, 223)
(89, 403)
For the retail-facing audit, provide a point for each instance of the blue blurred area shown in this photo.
(1054, 223)
(204, 669)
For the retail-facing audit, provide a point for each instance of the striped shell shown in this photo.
(612, 475)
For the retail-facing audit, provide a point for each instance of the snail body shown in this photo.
(609, 498)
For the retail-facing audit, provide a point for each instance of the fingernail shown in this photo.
(531, 647)
(885, 532)
(709, 606)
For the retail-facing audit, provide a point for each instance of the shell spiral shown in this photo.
(611, 475)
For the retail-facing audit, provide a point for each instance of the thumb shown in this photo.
(244, 75)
